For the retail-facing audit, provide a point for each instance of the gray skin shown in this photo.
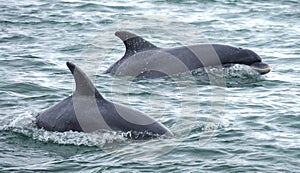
(142, 59)
(87, 111)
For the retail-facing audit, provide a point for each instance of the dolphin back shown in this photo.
(87, 111)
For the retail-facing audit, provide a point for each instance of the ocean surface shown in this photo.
(243, 123)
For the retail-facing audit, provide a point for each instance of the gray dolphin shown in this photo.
(145, 60)
(86, 110)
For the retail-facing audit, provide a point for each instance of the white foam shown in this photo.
(24, 124)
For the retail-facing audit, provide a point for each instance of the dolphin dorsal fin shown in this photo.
(84, 85)
(134, 43)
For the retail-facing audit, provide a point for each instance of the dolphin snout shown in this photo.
(261, 67)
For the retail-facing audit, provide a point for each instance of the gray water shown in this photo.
(250, 123)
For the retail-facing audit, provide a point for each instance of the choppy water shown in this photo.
(253, 125)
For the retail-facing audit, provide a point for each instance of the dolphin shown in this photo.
(86, 110)
(143, 59)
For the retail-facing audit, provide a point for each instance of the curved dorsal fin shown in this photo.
(134, 43)
(84, 85)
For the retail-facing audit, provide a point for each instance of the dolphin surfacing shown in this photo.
(142, 59)
(86, 111)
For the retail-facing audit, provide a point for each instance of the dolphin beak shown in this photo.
(261, 67)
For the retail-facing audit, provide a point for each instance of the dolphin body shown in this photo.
(142, 59)
(86, 110)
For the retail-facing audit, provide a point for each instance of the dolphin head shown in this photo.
(255, 61)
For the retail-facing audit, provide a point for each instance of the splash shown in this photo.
(24, 125)
(235, 75)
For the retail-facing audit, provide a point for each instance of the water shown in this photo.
(249, 125)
